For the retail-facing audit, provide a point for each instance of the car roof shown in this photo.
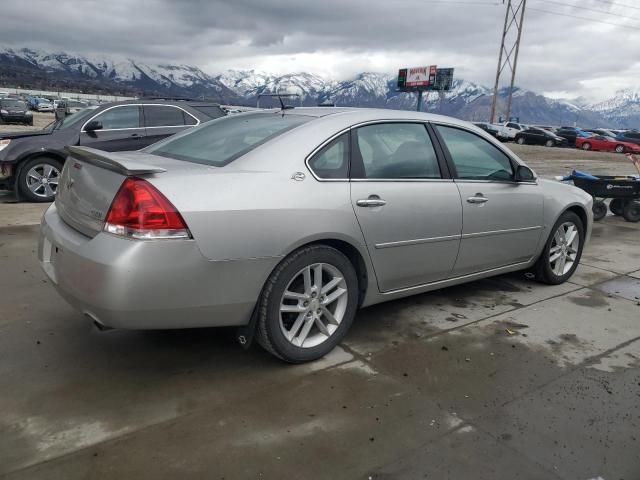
(359, 115)
(158, 101)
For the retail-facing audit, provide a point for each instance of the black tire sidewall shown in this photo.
(616, 206)
(21, 183)
(270, 303)
(599, 210)
(631, 211)
(544, 268)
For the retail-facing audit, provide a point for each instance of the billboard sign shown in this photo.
(444, 79)
(418, 76)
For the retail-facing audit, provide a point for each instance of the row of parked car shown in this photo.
(602, 139)
(31, 161)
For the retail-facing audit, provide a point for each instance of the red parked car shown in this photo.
(606, 144)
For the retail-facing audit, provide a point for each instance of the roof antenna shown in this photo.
(283, 107)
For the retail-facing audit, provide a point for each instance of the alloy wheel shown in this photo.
(564, 249)
(42, 180)
(313, 305)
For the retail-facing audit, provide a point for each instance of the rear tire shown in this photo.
(38, 179)
(599, 210)
(631, 211)
(616, 206)
(283, 317)
(546, 269)
(619, 148)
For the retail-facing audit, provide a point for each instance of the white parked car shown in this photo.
(45, 107)
(511, 129)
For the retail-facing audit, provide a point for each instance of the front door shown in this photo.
(502, 219)
(121, 130)
(410, 215)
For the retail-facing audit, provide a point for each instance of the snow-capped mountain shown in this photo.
(624, 107)
(37, 69)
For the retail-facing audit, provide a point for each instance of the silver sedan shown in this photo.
(284, 223)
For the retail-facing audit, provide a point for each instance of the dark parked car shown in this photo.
(538, 136)
(31, 162)
(493, 130)
(571, 133)
(15, 111)
(631, 137)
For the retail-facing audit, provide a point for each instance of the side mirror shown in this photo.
(524, 174)
(93, 125)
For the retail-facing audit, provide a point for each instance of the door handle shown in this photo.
(477, 198)
(372, 201)
(136, 135)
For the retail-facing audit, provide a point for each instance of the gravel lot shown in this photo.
(498, 379)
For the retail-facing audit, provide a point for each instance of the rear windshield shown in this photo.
(220, 142)
(13, 104)
(212, 111)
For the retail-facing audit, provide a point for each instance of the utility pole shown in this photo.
(509, 49)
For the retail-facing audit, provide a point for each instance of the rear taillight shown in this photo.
(140, 211)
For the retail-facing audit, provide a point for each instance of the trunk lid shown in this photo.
(90, 180)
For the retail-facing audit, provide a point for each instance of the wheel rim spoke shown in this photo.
(34, 187)
(331, 285)
(305, 331)
(322, 327)
(338, 292)
(329, 316)
(295, 295)
(296, 327)
(291, 308)
(555, 256)
(571, 234)
(307, 280)
(317, 277)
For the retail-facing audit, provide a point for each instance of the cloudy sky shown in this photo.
(561, 55)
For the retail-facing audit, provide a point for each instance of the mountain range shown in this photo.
(37, 69)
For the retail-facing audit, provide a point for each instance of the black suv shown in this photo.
(13, 110)
(31, 161)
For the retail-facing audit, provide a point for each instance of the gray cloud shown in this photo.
(339, 38)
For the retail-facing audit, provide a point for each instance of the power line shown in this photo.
(631, 27)
(555, 2)
(634, 7)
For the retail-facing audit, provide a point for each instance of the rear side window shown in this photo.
(474, 157)
(333, 160)
(211, 111)
(220, 142)
(164, 116)
(395, 151)
(127, 116)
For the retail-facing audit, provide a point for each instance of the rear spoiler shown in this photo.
(113, 161)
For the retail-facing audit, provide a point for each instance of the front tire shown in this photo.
(619, 148)
(549, 143)
(616, 206)
(561, 254)
(520, 140)
(308, 304)
(38, 179)
(586, 146)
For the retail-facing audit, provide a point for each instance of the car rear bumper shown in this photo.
(130, 284)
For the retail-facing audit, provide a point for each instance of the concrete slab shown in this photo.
(485, 458)
(625, 287)
(571, 422)
(12, 214)
(389, 324)
(616, 247)
(333, 424)
(588, 276)
(634, 274)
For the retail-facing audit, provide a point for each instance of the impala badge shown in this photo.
(298, 176)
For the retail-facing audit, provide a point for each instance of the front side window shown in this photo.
(120, 117)
(333, 160)
(475, 158)
(221, 141)
(396, 151)
(163, 116)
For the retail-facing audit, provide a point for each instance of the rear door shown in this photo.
(535, 136)
(501, 219)
(407, 206)
(162, 121)
(122, 129)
